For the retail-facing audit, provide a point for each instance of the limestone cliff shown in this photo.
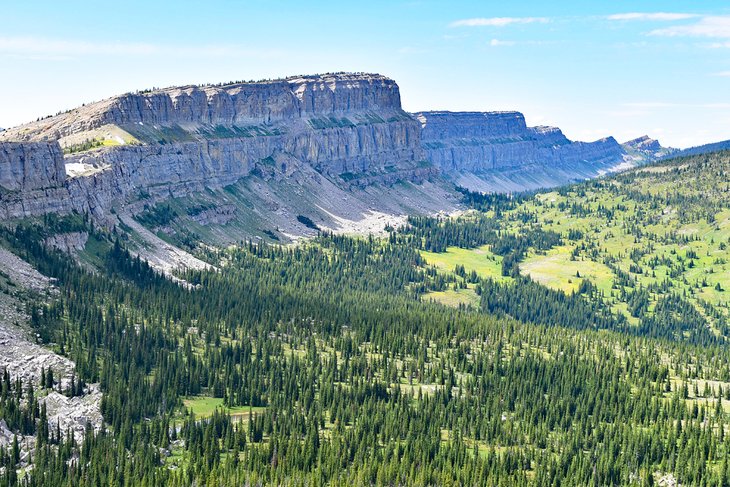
(645, 147)
(30, 166)
(32, 179)
(306, 98)
(349, 128)
(489, 142)
(334, 134)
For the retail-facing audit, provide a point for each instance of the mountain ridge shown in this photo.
(486, 151)
(339, 139)
(701, 149)
(319, 146)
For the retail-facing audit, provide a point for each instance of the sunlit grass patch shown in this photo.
(481, 260)
(204, 406)
(555, 269)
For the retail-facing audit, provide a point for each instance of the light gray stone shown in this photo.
(477, 142)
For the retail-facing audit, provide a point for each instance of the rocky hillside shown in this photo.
(497, 151)
(250, 158)
(646, 148)
(345, 132)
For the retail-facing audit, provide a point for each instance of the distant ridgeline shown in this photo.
(330, 136)
(702, 149)
(497, 151)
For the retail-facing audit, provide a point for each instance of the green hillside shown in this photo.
(653, 243)
(579, 347)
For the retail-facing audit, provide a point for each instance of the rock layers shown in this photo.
(349, 129)
(500, 146)
(30, 166)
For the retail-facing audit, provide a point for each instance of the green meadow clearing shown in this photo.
(662, 231)
(204, 407)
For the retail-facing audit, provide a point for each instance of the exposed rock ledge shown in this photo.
(68, 242)
(173, 142)
(477, 142)
(24, 358)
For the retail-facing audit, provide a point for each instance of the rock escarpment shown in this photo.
(30, 166)
(482, 142)
(644, 143)
(340, 131)
(349, 128)
(240, 104)
(32, 179)
(645, 147)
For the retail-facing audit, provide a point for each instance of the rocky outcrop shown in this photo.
(646, 148)
(218, 215)
(67, 242)
(355, 149)
(644, 143)
(485, 141)
(347, 127)
(235, 104)
(32, 180)
(443, 126)
(31, 166)
(25, 360)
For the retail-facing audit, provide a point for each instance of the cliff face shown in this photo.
(340, 122)
(644, 143)
(479, 142)
(238, 104)
(347, 127)
(30, 166)
(646, 148)
(442, 126)
(32, 179)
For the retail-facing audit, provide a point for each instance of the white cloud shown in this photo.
(652, 16)
(497, 43)
(709, 26)
(724, 74)
(34, 47)
(498, 21)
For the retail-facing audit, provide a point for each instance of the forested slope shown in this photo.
(327, 362)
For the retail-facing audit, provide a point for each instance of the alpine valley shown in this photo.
(297, 282)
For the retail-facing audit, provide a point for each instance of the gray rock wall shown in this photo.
(347, 127)
(30, 166)
(245, 103)
(267, 102)
(334, 123)
(478, 142)
(465, 125)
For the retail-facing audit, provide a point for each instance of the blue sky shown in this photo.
(592, 68)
